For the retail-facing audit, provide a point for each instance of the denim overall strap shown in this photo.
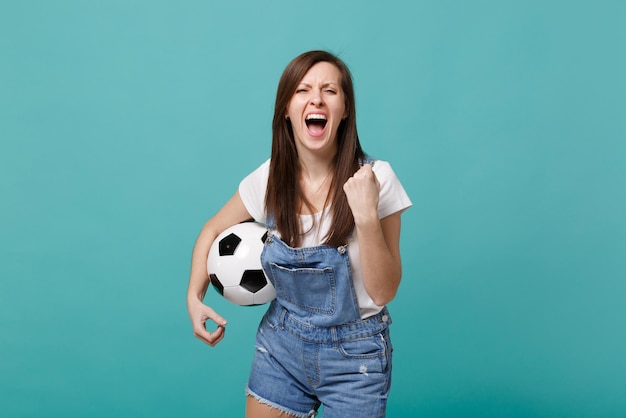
(366, 160)
(314, 284)
(269, 222)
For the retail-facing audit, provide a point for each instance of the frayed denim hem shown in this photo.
(281, 408)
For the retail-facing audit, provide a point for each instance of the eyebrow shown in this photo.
(326, 84)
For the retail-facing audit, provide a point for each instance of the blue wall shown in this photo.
(124, 125)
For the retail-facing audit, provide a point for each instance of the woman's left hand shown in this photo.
(362, 190)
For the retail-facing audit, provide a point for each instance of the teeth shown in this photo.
(315, 116)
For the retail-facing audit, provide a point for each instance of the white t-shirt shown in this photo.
(392, 199)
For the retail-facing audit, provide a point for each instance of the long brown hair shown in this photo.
(283, 189)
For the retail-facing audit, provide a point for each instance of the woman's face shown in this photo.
(316, 110)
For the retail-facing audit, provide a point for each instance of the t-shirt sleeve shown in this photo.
(393, 197)
(252, 191)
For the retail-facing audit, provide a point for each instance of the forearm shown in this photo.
(231, 213)
(199, 277)
(381, 266)
(199, 313)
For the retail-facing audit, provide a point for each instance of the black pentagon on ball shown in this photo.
(253, 280)
(228, 244)
(264, 237)
(219, 288)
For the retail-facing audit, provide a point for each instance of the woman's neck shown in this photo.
(315, 168)
(316, 176)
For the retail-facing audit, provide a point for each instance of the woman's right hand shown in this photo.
(200, 314)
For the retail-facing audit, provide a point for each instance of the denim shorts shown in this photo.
(298, 367)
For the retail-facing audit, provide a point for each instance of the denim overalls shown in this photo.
(312, 346)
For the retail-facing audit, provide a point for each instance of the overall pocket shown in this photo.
(375, 347)
(311, 289)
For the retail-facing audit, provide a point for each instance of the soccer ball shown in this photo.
(234, 265)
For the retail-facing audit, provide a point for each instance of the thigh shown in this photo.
(256, 409)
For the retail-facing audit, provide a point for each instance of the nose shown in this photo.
(316, 98)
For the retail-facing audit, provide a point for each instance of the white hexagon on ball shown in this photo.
(234, 265)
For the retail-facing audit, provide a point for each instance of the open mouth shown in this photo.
(315, 122)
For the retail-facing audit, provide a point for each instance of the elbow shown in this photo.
(383, 300)
(384, 297)
(387, 293)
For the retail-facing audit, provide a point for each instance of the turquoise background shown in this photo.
(124, 125)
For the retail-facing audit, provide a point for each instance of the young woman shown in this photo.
(333, 216)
